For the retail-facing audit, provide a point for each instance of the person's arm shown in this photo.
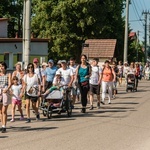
(100, 76)
(24, 85)
(71, 81)
(9, 84)
(114, 75)
(39, 85)
(76, 74)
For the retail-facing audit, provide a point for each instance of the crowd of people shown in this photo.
(86, 78)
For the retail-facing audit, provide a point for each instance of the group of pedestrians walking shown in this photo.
(37, 81)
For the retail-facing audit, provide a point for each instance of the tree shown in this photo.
(13, 10)
(69, 23)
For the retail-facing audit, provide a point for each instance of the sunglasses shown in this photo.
(15, 79)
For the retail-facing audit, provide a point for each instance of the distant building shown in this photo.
(11, 48)
(133, 36)
(103, 49)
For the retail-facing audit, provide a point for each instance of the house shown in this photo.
(11, 49)
(103, 49)
(133, 35)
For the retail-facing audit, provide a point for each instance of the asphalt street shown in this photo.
(123, 125)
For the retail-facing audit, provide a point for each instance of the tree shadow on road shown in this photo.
(2, 137)
(126, 103)
(28, 128)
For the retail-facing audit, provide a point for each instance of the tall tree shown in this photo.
(13, 10)
(69, 23)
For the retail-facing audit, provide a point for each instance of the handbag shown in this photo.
(84, 83)
(33, 91)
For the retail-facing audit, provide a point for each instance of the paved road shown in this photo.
(123, 125)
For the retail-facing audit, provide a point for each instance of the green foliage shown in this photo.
(12, 9)
(69, 23)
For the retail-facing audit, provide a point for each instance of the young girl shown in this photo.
(16, 98)
(57, 83)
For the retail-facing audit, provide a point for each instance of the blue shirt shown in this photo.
(82, 72)
(50, 73)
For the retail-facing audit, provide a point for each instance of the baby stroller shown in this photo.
(147, 75)
(57, 102)
(130, 82)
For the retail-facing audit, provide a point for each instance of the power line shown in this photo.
(137, 14)
(144, 4)
(141, 5)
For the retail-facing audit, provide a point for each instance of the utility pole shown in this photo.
(149, 30)
(126, 32)
(145, 42)
(137, 44)
(26, 31)
(23, 33)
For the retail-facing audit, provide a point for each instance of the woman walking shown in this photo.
(5, 100)
(32, 87)
(108, 77)
(83, 75)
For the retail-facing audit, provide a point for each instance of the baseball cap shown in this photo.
(35, 60)
(58, 73)
(59, 62)
(44, 64)
(51, 61)
(63, 61)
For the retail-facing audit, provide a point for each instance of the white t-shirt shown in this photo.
(95, 72)
(120, 67)
(39, 72)
(73, 69)
(30, 81)
(16, 89)
(66, 74)
(125, 69)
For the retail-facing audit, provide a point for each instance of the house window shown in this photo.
(19, 57)
(6, 59)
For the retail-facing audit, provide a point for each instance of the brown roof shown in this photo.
(100, 48)
(3, 19)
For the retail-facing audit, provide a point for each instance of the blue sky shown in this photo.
(135, 13)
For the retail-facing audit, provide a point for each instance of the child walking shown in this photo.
(16, 98)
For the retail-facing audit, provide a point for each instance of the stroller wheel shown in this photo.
(44, 113)
(49, 112)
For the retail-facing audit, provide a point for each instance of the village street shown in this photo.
(123, 125)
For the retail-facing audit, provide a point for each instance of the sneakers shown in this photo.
(109, 102)
(83, 110)
(37, 117)
(12, 120)
(28, 120)
(3, 130)
(102, 103)
(21, 118)
(114, 96)
(91, 107)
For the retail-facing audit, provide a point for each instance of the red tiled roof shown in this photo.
(101, 48)
(132, 34)
(3, 19)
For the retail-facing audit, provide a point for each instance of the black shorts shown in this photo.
(33, 99)
(94, 89)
